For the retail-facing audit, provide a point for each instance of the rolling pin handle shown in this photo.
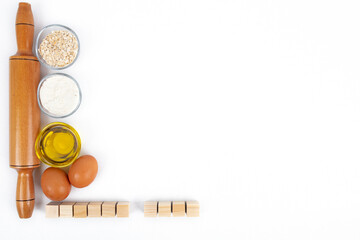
(25, 194)
(24, 29)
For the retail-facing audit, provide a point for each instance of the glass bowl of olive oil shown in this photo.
(58, 145)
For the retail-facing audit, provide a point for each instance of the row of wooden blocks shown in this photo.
(87, 209)
(174, 208)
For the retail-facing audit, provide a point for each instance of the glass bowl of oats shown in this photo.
(57, 46)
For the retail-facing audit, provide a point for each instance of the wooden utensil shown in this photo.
(24, 110)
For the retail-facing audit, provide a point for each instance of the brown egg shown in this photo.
(55, 184)
(83, 171)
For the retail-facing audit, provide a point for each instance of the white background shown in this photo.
(250, 107)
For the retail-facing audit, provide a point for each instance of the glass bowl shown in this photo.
(58, 145)
(43, 33)
(43, 109)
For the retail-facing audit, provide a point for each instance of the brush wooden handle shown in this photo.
(24, 110)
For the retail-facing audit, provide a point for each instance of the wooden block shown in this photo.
(178, 208)
(67, 209)
(150, 209)
(192, 208)
(94, 209)
(80, 209)
(108, 209)
(52, 210)
(164, 208)
(122, 209)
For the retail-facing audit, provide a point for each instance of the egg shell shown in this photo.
(83, 171)
(55, 184)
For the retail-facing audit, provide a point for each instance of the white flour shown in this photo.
(59, 95)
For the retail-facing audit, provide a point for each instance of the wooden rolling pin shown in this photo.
(24, 111)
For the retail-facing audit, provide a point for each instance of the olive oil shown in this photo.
(58, 145)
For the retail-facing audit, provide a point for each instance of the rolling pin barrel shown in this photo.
(24, 112)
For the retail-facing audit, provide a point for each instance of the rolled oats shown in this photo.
(59, 48)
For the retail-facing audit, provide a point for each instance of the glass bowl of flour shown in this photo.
(58, 95)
